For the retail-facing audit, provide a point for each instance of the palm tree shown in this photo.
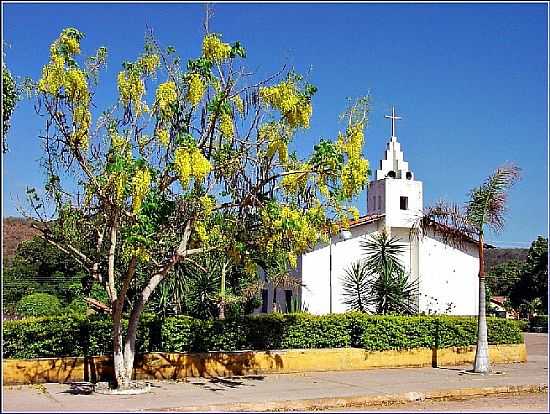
(356, 286)
(394, 292)
(484, 209)
(380, 280)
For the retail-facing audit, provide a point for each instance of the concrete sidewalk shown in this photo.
(318, 390)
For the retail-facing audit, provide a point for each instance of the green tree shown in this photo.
(533, 281)
(501, 278)
(202, 167)
(9, 101)
(40, 267)
(484, 209)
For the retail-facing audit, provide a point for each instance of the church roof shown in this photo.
(369, 218)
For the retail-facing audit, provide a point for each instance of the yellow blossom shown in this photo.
(196, 88)
(150, 63)
(131, 89)
(354, 176)
(53, 76)
(166, 96)
(140, 187)
(226, 125)
(76, 86)
(239, 104)
(163, 137)
(285, 97)
(214, 49)
(190, 162)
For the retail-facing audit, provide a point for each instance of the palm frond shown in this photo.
(381, 249)
(356, 283)
(487, 203)
(449, 220)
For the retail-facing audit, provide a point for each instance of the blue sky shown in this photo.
(469, 80)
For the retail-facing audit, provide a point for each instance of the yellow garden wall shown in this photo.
(161, 365)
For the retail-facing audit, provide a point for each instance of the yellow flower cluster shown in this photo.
(196, 88)
(226, 125)
(354, 212)
(352, 143)
(140, 187)
(54, 77)
(149, 63)
(119, 183)
(207, 204)
(76, 86)
(295, 229)
(354, 176)
(214, 49)
(293, 183)
(166, 96)
(189, 162)
(82, 119)
(200, 230)
(72, 45)
(354, 173)
(239, 104)
(163, 137)
(285, 97)
(276, 135)
(138, 251)
(131, 89)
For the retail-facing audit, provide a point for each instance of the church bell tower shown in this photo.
(395, 192)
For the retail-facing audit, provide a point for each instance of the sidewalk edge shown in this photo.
(362, 401)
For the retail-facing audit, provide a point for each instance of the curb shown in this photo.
(362, 401)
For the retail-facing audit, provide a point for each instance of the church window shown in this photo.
(264, 300)
(404, 203)
(288, 299)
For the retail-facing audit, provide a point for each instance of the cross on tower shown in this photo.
(393, 119)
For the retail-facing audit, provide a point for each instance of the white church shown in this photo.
(447, 276)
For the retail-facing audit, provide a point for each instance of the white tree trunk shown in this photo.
(121, 375)
(481, 363)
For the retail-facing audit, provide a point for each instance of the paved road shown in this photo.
(500, 404)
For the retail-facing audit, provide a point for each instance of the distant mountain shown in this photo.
(496, 256)
(15, 230)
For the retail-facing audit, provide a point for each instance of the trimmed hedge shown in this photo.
(75, 335)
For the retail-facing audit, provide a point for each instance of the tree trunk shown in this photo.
(481, 363)
(221, 309)
(122, 378)
(221, 303)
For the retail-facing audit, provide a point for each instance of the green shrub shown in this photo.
(78, 306)
(43, 337)
(77, 335)
(39, 304)
(540, 321)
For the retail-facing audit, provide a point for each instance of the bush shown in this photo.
(39, 304)
(539, 322)
(77, 335)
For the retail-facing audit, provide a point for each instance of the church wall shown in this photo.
(396, 188)
(450, 275)
(315, 271)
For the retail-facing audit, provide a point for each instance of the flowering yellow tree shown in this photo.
(202, 163)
